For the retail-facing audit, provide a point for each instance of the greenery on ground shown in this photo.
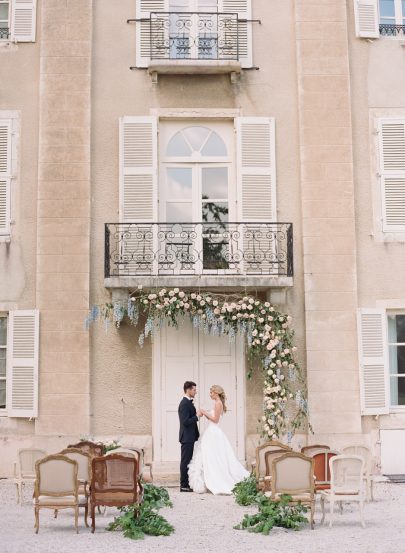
(245, 492)
(139, 519)
(273, 513)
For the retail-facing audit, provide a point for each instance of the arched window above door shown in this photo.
(196, 142)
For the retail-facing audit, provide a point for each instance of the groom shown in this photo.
(188, 435)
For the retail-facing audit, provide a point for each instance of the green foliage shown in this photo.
(245, 492)
(273, 513)
(137, 520)
(111, 446)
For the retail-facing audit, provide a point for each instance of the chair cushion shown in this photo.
(346, 492)
(119, 497)
(67, 500)
(304, 497)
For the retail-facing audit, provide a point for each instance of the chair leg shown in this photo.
(361, 514)
(372, 489)
(312, 514)
(86, 512)
(18, 494)
(323, 509)
(36, 526)
(341, 507)
(55, 513)
(77, 518)
(332, 506)
(93, 518)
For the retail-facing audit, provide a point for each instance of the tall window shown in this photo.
(4, 18)
(3, 357)
(392, 12)
(396, 351)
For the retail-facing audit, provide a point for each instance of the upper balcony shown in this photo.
(195, 43)
(220, 255)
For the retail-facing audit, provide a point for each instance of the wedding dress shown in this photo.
(214, 465)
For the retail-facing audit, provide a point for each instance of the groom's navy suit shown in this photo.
(188, 435)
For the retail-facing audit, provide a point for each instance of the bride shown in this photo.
(214, 466)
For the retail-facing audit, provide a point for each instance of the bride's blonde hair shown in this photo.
(221, 394)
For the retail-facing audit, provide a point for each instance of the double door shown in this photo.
(187, 354)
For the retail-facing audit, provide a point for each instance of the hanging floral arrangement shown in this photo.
(268, 334)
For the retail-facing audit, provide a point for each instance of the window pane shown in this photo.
(178, 212)
(203, 5)
(178, 146)
(397, 359)
(4, 12)
(215, 183)
(2, 362)
(403, 9)
(196, 136)
(215, 212)
(396, 328)
(179, 183)
(215, 146)
(2, 394)
(3, 331)
(387, 8)
(397, 391)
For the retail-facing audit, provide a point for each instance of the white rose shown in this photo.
(193, 296)
(181, 294)
(267, 304)
(202, 302)
(186, 306)
(199, 298)
(251, 301)
(176, 290)
(215, 303)
(171, 293)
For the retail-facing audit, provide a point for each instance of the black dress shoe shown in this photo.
(188, 489)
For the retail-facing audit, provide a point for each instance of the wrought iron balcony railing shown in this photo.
(174, 249)
(194, 36)
(4, 32)
(388, 29)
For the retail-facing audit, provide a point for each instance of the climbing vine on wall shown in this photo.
(268, 334)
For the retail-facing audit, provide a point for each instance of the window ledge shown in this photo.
(194, 67)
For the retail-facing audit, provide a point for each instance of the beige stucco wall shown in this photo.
(19, 92)
(377, 85)
(120, 369)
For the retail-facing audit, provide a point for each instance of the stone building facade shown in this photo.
(126, 133)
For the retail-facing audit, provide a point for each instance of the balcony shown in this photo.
(388, 29)
(194, 43)
(4, 33)
(258, 255)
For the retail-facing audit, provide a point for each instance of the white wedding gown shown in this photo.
(214, 466)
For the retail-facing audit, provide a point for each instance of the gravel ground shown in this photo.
(204, 523)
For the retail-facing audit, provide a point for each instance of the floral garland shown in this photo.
(268, 335)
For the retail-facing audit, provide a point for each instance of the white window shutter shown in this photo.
(5, 175)
(373, 356)
(391, 146)
(143, 28)
(256, 167)
(138, 169)
(245, 43)
(23, 20)
(366, 17)
(23, 353)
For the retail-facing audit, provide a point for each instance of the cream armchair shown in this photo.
(56, 486)
(83, 460)
(347, 484)
(24, 469)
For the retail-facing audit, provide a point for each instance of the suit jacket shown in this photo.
(188, 422)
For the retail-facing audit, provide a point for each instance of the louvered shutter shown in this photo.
(391, 133)
(256, 169)
(138, 191)
(22, 383)
(256, 178)
(5, 175)
(145, 35)
(244, 10)
(373, 356)
(23, 20)
(366, 18)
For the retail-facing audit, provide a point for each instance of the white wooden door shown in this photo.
(188, 354)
